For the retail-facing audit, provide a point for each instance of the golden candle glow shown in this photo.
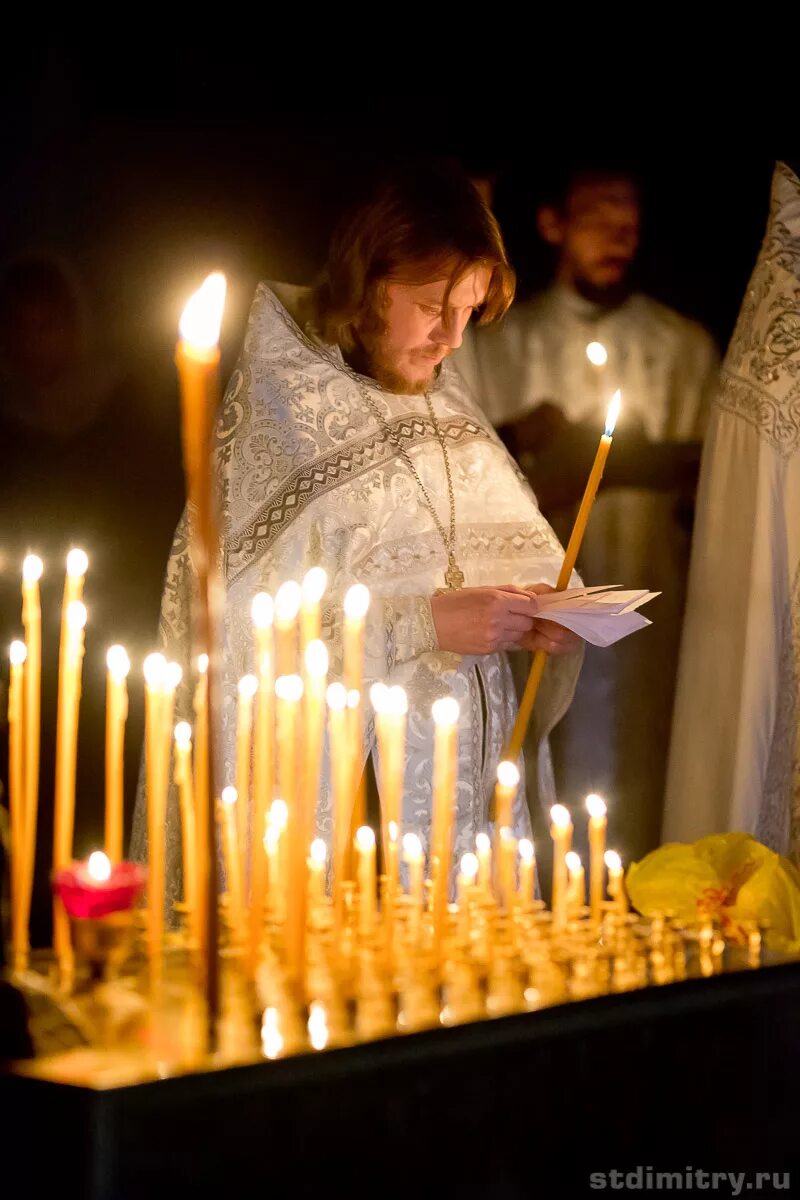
(391, 709)
(185, 784)
(206, 839)
(365, 851)
(596, 808)
(339, 757)
(289, 694)
(576, 889)
(118, 665)
(201, 320)
(445, 713)
(507, 850)
(32, 569)
(99, 866)
(69, 692)
(597, 354)
(561, 833)
(315, 687)
(248, 686)
(415, 861)
(233, 867)
(287, 606)
(156, 671)
(318, 856)
(312, 590)
(616, 882)
(527, 872)
(16, 788)
(263, 613)
(465, 886)
(483, 847)
(565, 574)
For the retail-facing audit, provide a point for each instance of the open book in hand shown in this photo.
(600, 615)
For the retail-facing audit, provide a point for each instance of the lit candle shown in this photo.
(197, 359)
(263, 765)
(16, 790)
(415, 861)
(483, 847)
(315, 687)
(338, 755)
(507, 866)
(597, 845)
(287, 606)
(391, 709)
(527, 873)
(95, 889)
(597, 354)
(233, 866)
(202, 806)
(289, 693)
(576, 892)
(565, 574)
(365, 852)
(118, 665)
(156, 777)
(69, 693)
(505, 792)
(465, 886)
(316, 875)
(356, 605)
(561, 833)
(616, 883)
(312, 590)
(248, 686)
(271, 848)
(445, 714)
(32, 569)
(279, 822)
(392, 881)
(184, 782)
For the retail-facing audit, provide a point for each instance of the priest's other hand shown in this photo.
(482, 620)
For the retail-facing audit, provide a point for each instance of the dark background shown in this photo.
(145, 172)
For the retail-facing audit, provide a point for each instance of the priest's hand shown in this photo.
(547, 635)
(483, 620)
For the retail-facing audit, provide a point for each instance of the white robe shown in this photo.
(735, 757)
(309, 476)
(614, 738)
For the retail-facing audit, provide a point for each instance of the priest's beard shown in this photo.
(372, 356)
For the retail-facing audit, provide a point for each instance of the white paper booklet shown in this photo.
(600, 615)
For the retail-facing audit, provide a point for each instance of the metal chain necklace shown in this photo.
(453, 576)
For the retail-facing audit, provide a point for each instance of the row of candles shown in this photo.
(282, 718)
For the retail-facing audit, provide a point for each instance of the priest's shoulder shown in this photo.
(278, 305)
(664, 320)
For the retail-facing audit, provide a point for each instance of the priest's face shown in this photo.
(420, 324)
(597, 235)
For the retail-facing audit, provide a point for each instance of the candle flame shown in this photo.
(118, 663)
(318, 1026)
(17, 652)
(336, 696)
(271, 838)
(248, 686)
(183, 735)
(597, 354)
(379, 696)
(287, 602)
(317, 659)
(365, 838)
(77, 563)
(469, 866)
(613, 861)
(271, 1037)
(202, 316)
(483, 843)
(412, 846)
(313, 586)
(262, 610)
(596, 806)
(445, 711)
(507, 775)
(289, 687)
(506, 834)
(99, 866)
(573, 861)
(202, 664)
(279, 814)
(394, 831)
(319, 851)
(397, 701)
(155, 670)
(76, 616)
(32, 568)
(229, 796)
(353, 698)
(527, 851)
(356, 602)
(613, 413)
(560, 817)
(172, 676)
